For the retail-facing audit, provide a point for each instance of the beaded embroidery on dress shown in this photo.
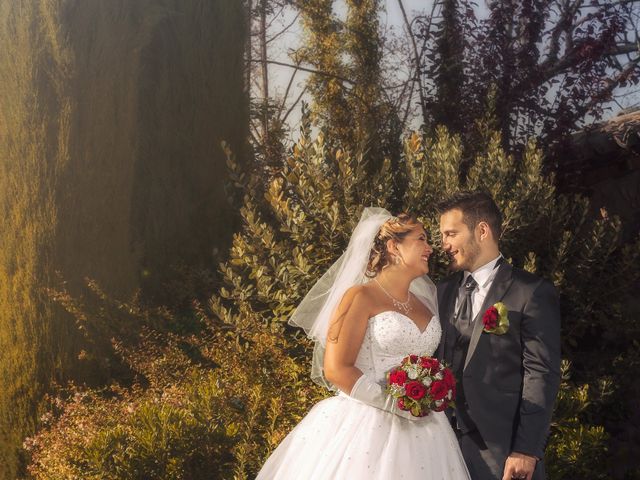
(342, 438)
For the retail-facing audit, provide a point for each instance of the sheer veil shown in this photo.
(316, 309)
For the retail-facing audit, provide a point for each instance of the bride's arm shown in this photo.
(346, 333)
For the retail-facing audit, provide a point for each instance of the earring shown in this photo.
(397, 260)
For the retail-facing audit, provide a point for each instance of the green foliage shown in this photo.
(302, 226)
(303, 223)
(576, 446)
(349, 102)
(208, 404)
(175, 433)
(290, 235)
(448, 69)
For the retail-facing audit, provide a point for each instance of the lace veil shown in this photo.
(316, 309)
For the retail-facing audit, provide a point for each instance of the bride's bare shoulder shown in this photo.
(358, 297)
(362, 292)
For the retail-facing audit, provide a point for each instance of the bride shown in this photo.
(372, 308)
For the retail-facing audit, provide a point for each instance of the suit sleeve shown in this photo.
(540, 336)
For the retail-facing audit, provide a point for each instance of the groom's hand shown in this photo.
(519, 466)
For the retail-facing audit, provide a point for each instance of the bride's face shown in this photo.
(415, 251)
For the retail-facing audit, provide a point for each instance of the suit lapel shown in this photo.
(498, 288)
(448, 302)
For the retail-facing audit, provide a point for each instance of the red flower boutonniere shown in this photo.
(496, 319)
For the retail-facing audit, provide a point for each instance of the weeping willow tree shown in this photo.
(111, 118)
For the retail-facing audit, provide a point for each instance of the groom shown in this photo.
(507, 382)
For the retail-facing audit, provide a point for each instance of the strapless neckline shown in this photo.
(406, 317)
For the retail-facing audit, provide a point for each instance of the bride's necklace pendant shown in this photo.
(402, 307)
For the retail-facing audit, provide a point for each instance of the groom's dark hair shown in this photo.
(476, 207)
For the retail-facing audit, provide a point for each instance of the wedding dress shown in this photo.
(342, 438)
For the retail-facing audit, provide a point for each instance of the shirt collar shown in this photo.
(484, 274)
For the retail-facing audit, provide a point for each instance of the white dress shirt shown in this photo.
(484, 278)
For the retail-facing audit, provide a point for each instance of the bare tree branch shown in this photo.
(265, 70)
(417, 60)
(293, 105)
(622, 49)
(286, 92)
(550, 68)
(249, 51)
(275, 16)
(612, 84)
(285, 29)
(610, 3)
(310, 70)
(405, 115)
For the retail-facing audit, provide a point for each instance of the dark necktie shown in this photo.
(465, 313)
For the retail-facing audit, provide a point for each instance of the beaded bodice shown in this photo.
(390, 337)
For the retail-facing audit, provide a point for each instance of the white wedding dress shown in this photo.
(342, 438)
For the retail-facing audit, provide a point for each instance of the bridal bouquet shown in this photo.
(422, 384)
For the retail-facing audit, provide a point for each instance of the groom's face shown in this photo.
(458, 241)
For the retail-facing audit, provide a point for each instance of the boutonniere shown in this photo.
(496, 319)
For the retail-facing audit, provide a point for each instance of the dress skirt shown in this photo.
(342, 438)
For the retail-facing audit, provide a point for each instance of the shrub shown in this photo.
(253, 367)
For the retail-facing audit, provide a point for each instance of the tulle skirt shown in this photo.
(342, 438)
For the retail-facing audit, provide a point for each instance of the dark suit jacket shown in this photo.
(511, 380)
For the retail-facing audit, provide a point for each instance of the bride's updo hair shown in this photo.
(396, 228)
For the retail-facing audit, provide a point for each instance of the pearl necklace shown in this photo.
(405, 307)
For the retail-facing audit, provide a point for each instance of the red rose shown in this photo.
(401, 405)
(439, 390)
(397, 377)
(415, 390)
(413, 358)
(490, 318)
(441, 408)
(449, 379)
(429, 363)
